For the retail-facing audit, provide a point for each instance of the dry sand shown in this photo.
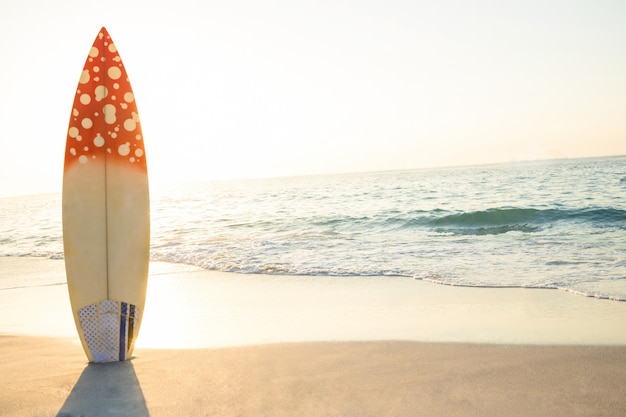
(229, 345)
(48, 377)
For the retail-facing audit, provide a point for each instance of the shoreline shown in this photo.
(207, 309)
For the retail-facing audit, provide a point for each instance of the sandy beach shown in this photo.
(239, 345)
(48, 377)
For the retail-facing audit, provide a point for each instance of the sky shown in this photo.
(246, 89)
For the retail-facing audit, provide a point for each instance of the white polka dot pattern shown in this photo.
(104, 124)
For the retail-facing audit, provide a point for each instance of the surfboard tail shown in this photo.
(109, 329)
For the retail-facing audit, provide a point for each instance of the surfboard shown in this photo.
(106, 207)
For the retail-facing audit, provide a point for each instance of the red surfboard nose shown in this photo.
(105, 122)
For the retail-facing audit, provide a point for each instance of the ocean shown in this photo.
(558, 224)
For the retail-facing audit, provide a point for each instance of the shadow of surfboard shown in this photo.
(106, 390)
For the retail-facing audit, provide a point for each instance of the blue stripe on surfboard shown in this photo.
(123, 336)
